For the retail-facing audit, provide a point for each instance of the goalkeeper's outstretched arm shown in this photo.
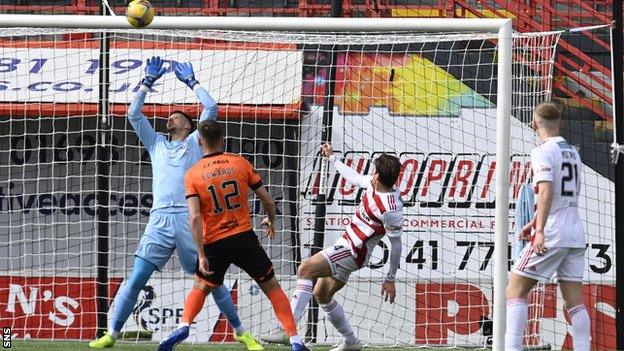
(351, 175)
(184, 72)
(139, 122)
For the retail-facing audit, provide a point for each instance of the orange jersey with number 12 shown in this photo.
(222, 182)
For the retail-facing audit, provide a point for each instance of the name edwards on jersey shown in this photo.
(218, 172)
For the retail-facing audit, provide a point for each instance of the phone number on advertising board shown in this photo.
(425, 254)
(38, 65)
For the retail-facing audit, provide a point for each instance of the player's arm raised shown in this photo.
(394, 230)
(352, 176)
(153, 70)
(184, 72)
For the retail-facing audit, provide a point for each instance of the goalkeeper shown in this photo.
(168, 226)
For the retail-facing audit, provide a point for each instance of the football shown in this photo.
(140, 13)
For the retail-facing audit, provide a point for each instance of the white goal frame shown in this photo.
(503, 106)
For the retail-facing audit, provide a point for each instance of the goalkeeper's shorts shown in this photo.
(567, 264)
(166, 232)
(244, 251)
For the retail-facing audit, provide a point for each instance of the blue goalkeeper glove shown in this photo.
(153, 71)
(184, 72)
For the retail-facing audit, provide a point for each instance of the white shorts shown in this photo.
(341, 261)
(567, 263)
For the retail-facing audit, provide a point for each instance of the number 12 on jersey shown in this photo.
(229, 192)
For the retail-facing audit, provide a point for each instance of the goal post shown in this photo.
(503, 118)
(229, 49)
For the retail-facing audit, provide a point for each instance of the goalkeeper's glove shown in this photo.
(153, 71)
(184, 72)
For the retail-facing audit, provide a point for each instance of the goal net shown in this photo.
(70, 184)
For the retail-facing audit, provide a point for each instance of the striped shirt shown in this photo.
(378, 214)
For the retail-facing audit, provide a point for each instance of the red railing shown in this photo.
(571, 62)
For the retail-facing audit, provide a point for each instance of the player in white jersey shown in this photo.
(379, 213)
(558, 244)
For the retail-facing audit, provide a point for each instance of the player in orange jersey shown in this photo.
(216, 191)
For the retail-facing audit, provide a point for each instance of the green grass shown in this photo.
(126, 346)
(151, 346)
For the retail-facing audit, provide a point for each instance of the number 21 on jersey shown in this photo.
(569, 179)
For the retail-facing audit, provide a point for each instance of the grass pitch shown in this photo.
(127, 346)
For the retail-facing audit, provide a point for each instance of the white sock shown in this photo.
(295, 339)
(240, 330)
(184, 324)
(517, 314)
(301, 298)
(113, 334)
(579, 317)
(335, 314)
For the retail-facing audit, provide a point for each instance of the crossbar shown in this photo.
(306, 24)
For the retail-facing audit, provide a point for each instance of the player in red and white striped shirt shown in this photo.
(379, 213)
